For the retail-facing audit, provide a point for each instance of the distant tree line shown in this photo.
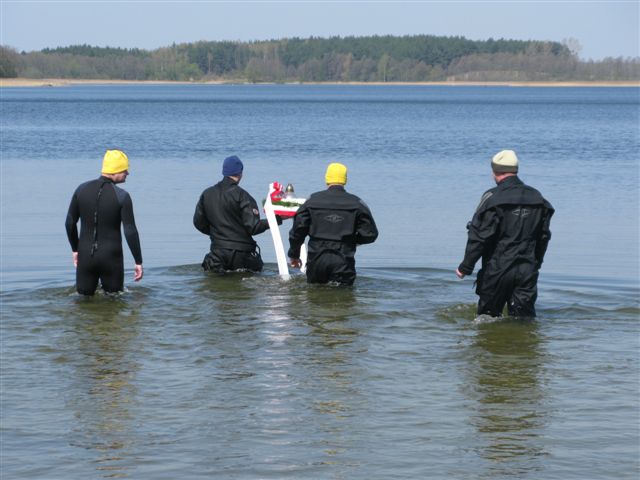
(341, 59)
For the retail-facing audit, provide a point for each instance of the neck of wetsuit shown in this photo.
(229, 180)
(510, 179)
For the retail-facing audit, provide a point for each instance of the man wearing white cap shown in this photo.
(510, 232)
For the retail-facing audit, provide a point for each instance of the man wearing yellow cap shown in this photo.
(510, 231)
(102, 207)
(336, 222)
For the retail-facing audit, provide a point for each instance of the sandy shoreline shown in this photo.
(63, 82)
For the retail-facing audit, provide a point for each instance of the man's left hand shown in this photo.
(459, 273)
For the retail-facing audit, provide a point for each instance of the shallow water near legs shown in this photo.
(249, 376)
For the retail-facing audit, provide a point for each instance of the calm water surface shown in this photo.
(186, 375)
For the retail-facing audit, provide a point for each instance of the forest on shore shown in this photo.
(417, 58)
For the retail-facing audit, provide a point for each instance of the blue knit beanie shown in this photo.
(232, 166)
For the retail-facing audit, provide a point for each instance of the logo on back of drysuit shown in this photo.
(521, 212)
(334, 218)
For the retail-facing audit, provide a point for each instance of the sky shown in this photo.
(602, 28)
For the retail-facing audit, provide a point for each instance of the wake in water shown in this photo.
(488, 319)
(381, 292)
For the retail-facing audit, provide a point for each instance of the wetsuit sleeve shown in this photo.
(366, 230)
(299, 231)
(251, 216)
(71, 223)
(200, 218)
(130, 230)
(545, 234)
(482, 229)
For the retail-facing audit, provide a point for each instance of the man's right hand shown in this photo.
(295, 262)
(138, 273)
(459, 273)
(75, 259)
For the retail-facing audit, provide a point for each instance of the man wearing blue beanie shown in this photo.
(230, 216)
(232, 166)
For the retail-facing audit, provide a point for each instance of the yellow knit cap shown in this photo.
(115, 161)
(336, 173)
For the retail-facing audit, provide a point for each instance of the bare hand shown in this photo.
(459, 273)
(138, 273)
(295, 262)
(75, 259)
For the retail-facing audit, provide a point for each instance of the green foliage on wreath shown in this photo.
(283, 203)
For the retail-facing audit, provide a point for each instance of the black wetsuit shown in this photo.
(230, 216)
(336, 221)
(99, 249)
(510, 231)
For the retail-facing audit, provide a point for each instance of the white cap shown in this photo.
(505, 161)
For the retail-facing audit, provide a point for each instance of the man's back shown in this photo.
(520, 217)
(333, 215)
(108, 207)
(229, 215)
(111, 206)
(334, 218)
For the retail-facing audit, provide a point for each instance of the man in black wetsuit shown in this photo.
(101, 207)
(336, 222)
(510, 231)
(230, 216)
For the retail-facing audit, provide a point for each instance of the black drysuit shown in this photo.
(336, 221)
(101, 207)
(230, 216)
(510, 231)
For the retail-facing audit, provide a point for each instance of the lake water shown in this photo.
(191, 376)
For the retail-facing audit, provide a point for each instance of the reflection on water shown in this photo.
(505, 380)
(310, 356)
(196, 376)
(280, 352)
(326, 309)
(327, 312)
(101, 336)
